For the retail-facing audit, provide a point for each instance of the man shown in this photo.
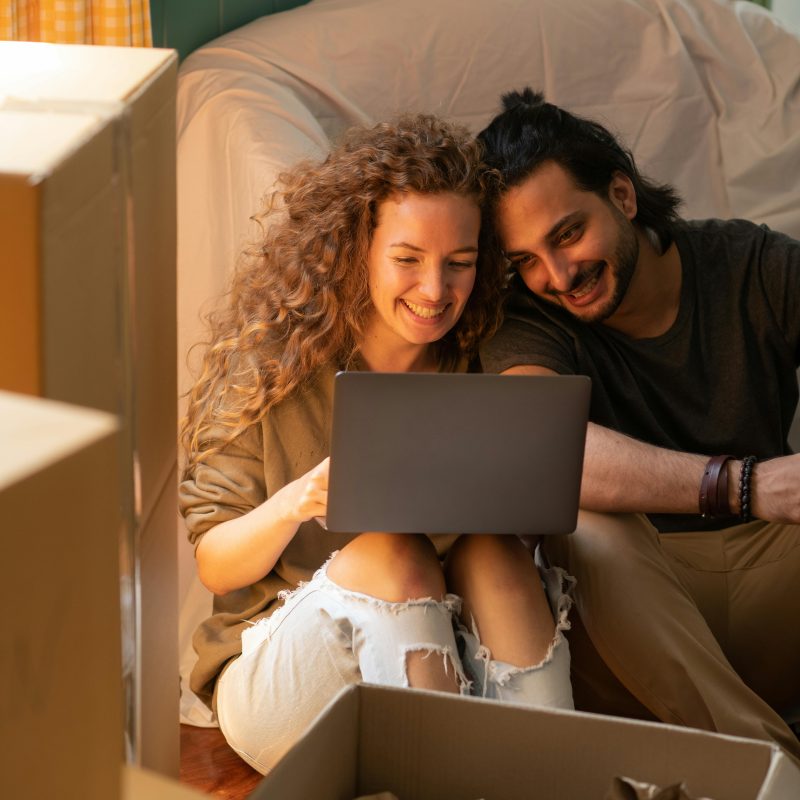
(687, 551)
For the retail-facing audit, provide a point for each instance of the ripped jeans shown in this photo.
(325, 637)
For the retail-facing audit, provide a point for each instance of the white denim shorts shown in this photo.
(324, 638)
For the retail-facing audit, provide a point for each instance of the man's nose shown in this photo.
(561, 271)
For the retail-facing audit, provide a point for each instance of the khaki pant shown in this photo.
(695, 629)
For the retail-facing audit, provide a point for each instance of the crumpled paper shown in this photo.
(628, 789)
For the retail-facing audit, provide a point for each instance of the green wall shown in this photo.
(186, 24)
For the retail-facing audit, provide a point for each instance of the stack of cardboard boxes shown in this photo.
(87, 317)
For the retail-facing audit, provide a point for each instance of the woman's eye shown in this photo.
(462, 264)
(522, 262)
(405, 260)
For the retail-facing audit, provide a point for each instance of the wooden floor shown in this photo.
(209, 765)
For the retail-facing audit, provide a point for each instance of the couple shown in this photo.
(387, 257)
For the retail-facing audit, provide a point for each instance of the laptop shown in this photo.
(456, 453)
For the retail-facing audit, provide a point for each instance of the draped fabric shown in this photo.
(110, 22)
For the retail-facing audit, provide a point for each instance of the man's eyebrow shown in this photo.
(566, 220)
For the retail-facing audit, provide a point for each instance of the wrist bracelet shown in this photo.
(744, 487)
(714, 488)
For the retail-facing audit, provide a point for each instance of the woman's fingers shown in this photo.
(313, 499)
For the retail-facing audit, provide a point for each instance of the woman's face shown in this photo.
(421, 267)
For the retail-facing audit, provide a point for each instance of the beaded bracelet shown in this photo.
(744, 487)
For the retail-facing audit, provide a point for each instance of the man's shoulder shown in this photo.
(720, 229)
(732, 242)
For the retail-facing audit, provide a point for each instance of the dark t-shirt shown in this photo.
(722, 379)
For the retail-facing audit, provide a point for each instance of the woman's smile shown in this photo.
(422, 267)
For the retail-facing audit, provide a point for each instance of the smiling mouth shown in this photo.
(424, 312)
(587, 285)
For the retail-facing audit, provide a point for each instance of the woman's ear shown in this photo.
(622, 194)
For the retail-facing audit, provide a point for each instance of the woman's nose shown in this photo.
(432, 282)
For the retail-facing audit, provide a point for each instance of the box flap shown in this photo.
(40, 74)
(36, 433)
(783, 778)
(143, 784)
(34, 143)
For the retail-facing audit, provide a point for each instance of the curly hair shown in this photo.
(300, 299)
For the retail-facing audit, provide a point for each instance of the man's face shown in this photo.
(571, 247)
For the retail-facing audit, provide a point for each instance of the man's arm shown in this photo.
(621, 474)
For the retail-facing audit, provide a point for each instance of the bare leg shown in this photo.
(500, 586)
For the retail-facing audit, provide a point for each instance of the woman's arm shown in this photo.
(242, 550)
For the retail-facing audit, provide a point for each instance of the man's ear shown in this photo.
(622, 194)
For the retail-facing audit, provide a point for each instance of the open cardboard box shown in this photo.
(422, 745)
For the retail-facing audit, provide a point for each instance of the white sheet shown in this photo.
(706, 94)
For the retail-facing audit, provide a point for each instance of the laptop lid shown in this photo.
(456, 453)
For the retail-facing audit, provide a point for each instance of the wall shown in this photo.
(185, 26)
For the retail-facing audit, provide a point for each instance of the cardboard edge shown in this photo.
(331, 743)
(782, 778)
(83, 426)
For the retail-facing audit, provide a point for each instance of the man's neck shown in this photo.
(652, 301)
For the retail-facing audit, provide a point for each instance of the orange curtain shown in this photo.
(113, 22)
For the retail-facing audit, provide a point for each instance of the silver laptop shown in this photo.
(456, 453)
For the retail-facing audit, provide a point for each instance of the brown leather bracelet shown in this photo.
(713, 491)
(723, 501)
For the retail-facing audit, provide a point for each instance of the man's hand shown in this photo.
(775, 489)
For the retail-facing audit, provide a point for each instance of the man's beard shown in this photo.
(621, 269)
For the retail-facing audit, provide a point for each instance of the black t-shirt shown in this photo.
(722, 379)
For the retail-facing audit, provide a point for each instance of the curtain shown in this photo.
(112, 22)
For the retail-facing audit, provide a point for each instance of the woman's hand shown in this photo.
(239, 552)
(307, 497)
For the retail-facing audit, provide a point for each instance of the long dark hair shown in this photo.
(529, 132)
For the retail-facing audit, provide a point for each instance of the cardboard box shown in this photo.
(61, 717)
(87, 307)
(428, 746)
(141, 784)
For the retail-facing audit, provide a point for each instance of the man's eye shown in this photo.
(569, 234)
(522, 262)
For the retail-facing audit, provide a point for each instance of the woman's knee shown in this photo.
(503, 561)
(392, 567)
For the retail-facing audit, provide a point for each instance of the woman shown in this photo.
(371, 262)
